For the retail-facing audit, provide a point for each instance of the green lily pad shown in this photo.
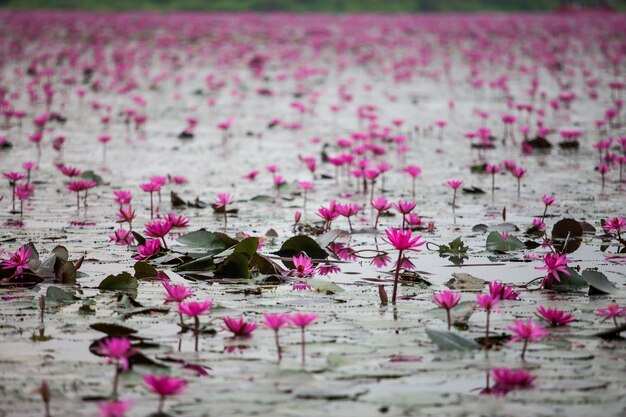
(598, 282)
(55, 295)
(119, 282)
(144, 270)
(496, 243)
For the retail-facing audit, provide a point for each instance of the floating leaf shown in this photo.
(144, 270)
(598, 282)
(325, 287)
(112, 329)
(264, 265)
(455, 251)
(235, 266)
(61, 252)
(570, 230)
(496, 243)
(204, 239)
(66, 274)
(301, 243)
(119, 282)
(463, 281)
(447, 340)
(59, 296)
(573, 282)
(263, 197)
(247, 247)
(205, 263)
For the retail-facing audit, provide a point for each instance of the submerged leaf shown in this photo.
(447, 340)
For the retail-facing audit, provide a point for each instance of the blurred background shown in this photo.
(331, 6)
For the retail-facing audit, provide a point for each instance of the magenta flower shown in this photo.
(526, 331)
(13, 178)
(151, 187)
(447, 300)
(616, 224)
(117, 350)
(381, 205)
(381, 261)
(114, 408)
(122, 197)
(402, 241)
(413, 171)
(455, 184)
(553, 264)
(613, 311)
(18, 260)
(404, 207)
(126, 215)
(302, 320)
(177, 221)
(303, 266)
(176, 293)
(239, 326)
(158, 229)
(122, 237)
(548, 201)
(164, 386)
(347, 211)
(150, 248)
(488, 302)
(221, 201)
(194, 308)
(502, 291)
(326, 269)
(275, 322)
(554, 316)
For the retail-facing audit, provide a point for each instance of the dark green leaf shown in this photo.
(112, 329)
(120, 282)
(496, 243)
(144, 270)
(598, 282)
(568, 283)
(55, 295)
(92, 176)
(301, 243)
(235, 266)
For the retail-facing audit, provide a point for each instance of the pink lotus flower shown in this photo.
(150, 187)
(275, 322)
(150, 248)
(164, 386)
(126, 215)
(447, 300)
(615, 224)
(18, 260)
(502, 291)
(176, 293)
(117, 350)
(223, 199)
(554, 316)
(158, 229)
(252, 175)
(326, 269)
(239, 326)
(122, 197)
(348, 210)
(302, 320)
(404, 207)
(488, 302)
(554, 263)
(194, 308)
(303, 266)
(177, 221)
(455, 184)
(380, 261)
(613, 311)
(402, 240)
(114, 408)
(526, 331)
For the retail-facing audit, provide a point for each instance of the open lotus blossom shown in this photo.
(303, 320)
(158, 229)
(117, 350)
(303, 266)
(177, 221)
(151, 187)
(507, 379)
(194, 309)
(221, 201)
(176, 293)
(554, 316)
(526, 331)
(548, 201)
(613, 311)
(381, 205)
(122, 197)
(18, 260)
(402, 241)
(164, 386)
(150, 248)
(615, 225)
(126, 215)
(276, 322)
(502, 291)
(488, 302)
(447, 300)
(239, 326)
(114, 408)
(553, 264)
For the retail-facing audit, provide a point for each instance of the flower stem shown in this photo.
(303, 344)
(196, 330)
(278, 349)
(487, 330)
(395, 280)
(449, 318)
(524, 348)
(161, 403)
(116, 378)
